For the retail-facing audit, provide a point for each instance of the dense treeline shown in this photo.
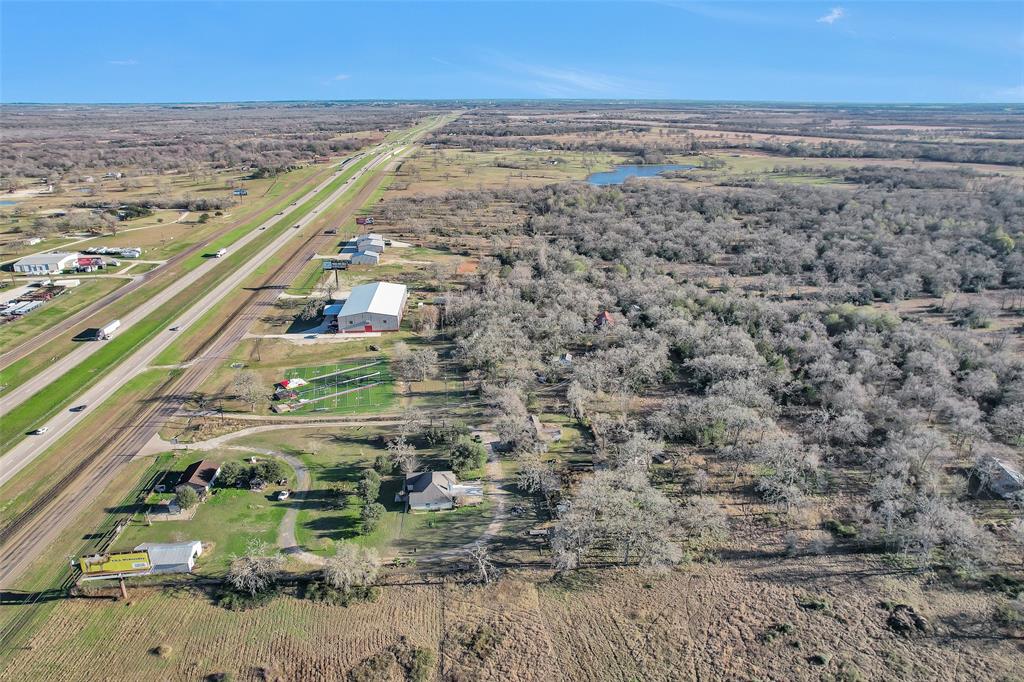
(792, 394)
(52, 142)
(956, 134)
(862, 243)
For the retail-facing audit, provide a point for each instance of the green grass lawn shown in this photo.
(225, 522)
(339, 457)
(372, 372)
(320, 527)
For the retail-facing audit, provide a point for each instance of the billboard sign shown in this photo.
(115, 564)
(334, 264)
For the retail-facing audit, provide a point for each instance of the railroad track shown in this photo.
(162, 272)
(64, 500)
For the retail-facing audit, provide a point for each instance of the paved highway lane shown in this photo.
(31, 447)
(64, 500)
(68, 362)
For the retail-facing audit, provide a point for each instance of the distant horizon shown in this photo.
(548, 100)
(835, 51)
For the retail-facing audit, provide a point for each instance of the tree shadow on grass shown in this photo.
(334, 527)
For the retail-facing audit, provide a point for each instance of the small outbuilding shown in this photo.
(365, 258)
(201, 475)
(998, 477)
(370, 246)
(175, 557)
(604, 319)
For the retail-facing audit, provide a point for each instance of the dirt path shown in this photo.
(286, 539)
(496, 489)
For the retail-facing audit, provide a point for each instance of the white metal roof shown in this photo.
(172, 553)
(381, 298)
(54, 257)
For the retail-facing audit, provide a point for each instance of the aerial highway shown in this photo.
(153, 277)
(28, 534)
(68, 362)
(28, 449)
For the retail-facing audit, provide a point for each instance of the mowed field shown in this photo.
(700, 622)
(346, 387)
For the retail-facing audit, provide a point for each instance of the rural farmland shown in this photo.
(511, 344)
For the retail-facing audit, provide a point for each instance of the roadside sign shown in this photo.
(334, 264)
(114, 564)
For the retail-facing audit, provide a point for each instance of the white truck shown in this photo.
(104, 332)
(221, 253)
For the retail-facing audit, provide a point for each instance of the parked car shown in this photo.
(283, 494)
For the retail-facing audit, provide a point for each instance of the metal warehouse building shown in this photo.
(47, 263)
(373, 307)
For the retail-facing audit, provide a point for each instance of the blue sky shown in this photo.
(226, 51)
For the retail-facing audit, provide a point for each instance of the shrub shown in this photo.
(840, 529)
(163, 650)
(371, 516)
(369, 486)
(421, 665)
(186, 496)
(812, 603)
(467, 454)
(383, 465)
(776, 631)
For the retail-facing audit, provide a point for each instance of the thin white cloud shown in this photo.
(833, 16)
(341, 77)
(559, 81)
(122, 62)
(1011, 94)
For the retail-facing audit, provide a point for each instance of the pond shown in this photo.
(620, 173)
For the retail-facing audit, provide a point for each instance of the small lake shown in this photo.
(621, 173)
(8, 202)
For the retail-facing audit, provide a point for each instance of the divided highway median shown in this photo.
(59, 394)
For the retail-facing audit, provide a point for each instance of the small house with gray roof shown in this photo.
(435, 490)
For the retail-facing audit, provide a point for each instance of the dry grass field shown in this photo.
(742, 620)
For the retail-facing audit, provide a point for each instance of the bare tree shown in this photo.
(246, 386)
(705, 522)
(479, 557)
(403, 454)
(351, 566)
(257, 570)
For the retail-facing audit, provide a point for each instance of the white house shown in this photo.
(376, 307)
(434, 490)
(47, 263)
